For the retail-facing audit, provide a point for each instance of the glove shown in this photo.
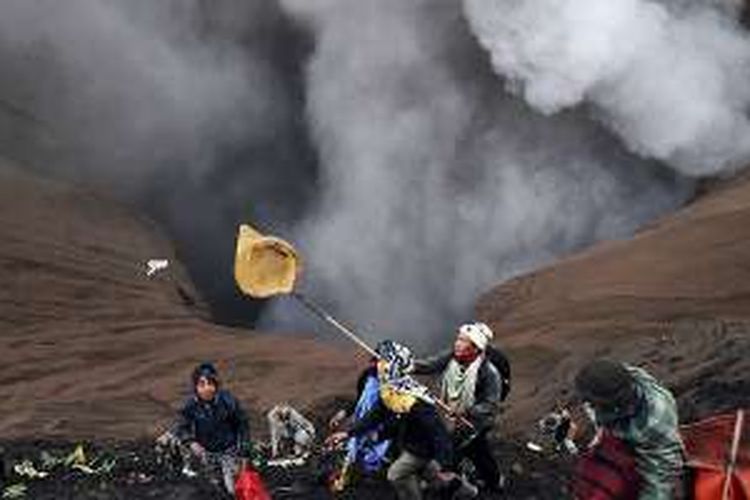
(198, 450)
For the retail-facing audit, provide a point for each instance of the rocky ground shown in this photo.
(139, 472)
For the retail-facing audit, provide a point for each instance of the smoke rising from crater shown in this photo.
(669, 78)
(437, 184)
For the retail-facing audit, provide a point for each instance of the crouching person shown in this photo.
(290, 432)
(406, 414)
(630, 407)
(212, 427)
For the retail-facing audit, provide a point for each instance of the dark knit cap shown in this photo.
(207, 370)
(606, 383)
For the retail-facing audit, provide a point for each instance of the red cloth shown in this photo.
(708, 444)
(467, 356)
(249, 486)
(606, 472)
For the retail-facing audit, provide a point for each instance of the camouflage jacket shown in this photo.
(652, 432)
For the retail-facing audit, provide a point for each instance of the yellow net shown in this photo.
(264, 266)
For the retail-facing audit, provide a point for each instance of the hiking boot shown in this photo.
(499, 487)
(466, 491)
(501, 483)
(461, 489)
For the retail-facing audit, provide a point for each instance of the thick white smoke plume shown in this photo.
(436, 184)
(670, 78)
(422, 180)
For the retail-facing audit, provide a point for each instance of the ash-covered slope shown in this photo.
(675, 298)
(92, 347)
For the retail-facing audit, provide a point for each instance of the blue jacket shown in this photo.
(369, 450)
(220, 425)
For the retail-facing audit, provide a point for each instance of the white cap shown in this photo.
(479, 333)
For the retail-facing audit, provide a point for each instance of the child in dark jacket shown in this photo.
(213, 426)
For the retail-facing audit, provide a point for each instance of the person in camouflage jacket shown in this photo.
(632, 406)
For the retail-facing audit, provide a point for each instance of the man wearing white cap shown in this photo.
(472, 387)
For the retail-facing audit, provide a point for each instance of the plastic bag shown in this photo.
(249, 486)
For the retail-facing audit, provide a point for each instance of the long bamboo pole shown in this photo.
(738, 426)
(318, 311)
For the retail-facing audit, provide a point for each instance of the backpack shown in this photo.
(606, 472)
(501, 363)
